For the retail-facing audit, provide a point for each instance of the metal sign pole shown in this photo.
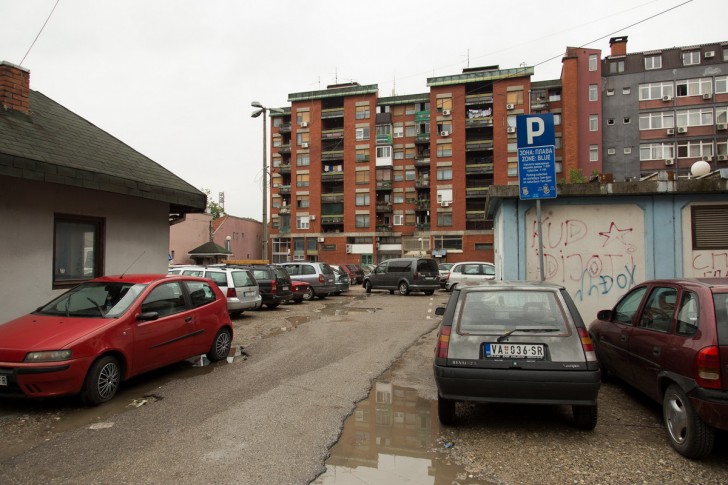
(540, 240)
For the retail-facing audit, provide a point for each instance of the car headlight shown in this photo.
(48, 356)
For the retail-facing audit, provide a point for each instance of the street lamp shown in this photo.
(263, 110)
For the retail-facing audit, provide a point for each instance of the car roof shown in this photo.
(509, 285)
(717, 282)
(137, 278)
(472, 262)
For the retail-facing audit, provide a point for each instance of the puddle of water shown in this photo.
(393, 436)
(346, 311)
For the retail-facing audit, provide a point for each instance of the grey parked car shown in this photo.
(515, 342)
(320, 276)
(404, 275)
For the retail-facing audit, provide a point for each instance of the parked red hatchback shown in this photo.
(669, 339)
(93, 337)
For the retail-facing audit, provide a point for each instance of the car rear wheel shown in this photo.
(403, 288)
(446, 411)
(688, 434)
(368, 286)
(308, 295)
(429, 292)
(585, 417)
(321, 296)
(220, 346)
(102, 381)
(272, 305)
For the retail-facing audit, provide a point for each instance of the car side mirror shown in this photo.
(605, 315)
(147, 316)
(440, 310)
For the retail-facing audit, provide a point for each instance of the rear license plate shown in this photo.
(3, 381)
(285, 288)
(514, 351)
(249, 293)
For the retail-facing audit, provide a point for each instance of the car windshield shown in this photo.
(499, 311)
(94, 300)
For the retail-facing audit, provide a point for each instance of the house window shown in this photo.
(362, 220)
(409, 153)
(657, 151)
(398, 199)
(593, 62)
(362, 199)
(444, 150)
(721, 84)
(444, 126)
(653, 121)
(302, 160)
(410, 131)
(593, 93)
(691, 58)
(695, 117)
(709, 226)
(695, 149)
(653, 62)
(616, 66)
(362, 155)
(694, 87)
(656, 91)
(593, 153)
(302, 180)
(362, 134)
(593, 123)
(302, 222)
(384, 152)
(78, 249)
(302, 138)
(444, 173)
(362, 112)
(398, 220)
(362, 177)
(303, 117)
(398, 131)
(444, 219)
(398, 154)
(443, 104)
(409, 174)
(302, 201)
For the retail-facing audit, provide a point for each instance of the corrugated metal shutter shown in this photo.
(710, 226)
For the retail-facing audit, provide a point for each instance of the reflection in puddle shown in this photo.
(392, 437)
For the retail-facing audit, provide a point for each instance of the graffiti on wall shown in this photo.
(596, 254)
(708, 264)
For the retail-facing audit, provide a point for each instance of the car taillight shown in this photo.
(231, 293)
(322, 279)
(415, 276)
(707, 368)
(273, 286)
(443, 342)
(586, 344)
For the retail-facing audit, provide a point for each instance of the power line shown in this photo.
(39, 32)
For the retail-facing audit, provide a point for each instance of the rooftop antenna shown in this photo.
(394, 86)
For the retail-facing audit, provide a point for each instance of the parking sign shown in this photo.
(536, 159)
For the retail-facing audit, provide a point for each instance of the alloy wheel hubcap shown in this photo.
(108, 380)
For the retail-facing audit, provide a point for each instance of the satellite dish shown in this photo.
(700, 168)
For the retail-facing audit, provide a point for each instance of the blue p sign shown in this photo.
(535, 130)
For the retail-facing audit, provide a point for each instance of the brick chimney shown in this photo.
(618, 45)
(14, 87)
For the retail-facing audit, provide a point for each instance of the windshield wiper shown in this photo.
(510, 332)
(98, 307)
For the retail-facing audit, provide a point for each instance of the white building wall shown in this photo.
(137, 237)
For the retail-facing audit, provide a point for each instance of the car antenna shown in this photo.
(132, 264)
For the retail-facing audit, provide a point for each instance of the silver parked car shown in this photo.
(470, 272)
(319, 275)
(238, 285)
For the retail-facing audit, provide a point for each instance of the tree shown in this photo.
(213, 207)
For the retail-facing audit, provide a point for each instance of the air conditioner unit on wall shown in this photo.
(709, 54)
(446, 112)
(721, 126)
(348, 249)
(321, 239)
(682, 129)
(722, 158)
(667, 98)
(671, 131)
(445, 203)
(444, 133)
(304, 124)
(669, 161)
(511, 129)
(312, 217)
(707, 95)
(304, 145)
(510, 106)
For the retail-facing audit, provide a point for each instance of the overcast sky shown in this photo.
(174, 79)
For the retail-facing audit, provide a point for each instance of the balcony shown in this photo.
(422, 183)
(332, 177)
(384, 206)
(421, 138)
(478, 215)
(384, 185)
(332, 198)
(384, 139)
(384, 228)
(362, 158)
(422, 161)
(477, 99)
(423, 204)
(284, 230)
(284, 149)
(285, 168)
(332, 219)
(423, 226)
(478, 145)
(332, 113)
(336, 134)
(476, 192)
(284, 128)
(422, 116)
(332, 155)
(284, 189)
(479, 122)
(284, 210)
(478, 168)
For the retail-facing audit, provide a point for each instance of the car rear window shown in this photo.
(218, 277)
(427, 265)
(243, 278)
(261, 274)
(495, 312)
(282, 273)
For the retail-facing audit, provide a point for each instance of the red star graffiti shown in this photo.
(615, 233)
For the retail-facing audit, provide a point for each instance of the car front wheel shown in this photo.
(446, 411)
(368, 286)
(220, 346)
(308, 295)
(102, 381)
(688, 434)
(403, 288)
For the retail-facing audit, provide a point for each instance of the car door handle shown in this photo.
(623, 338)
(188, 320)
(656, 351)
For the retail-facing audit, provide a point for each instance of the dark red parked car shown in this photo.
(104, 331)
(669, 339)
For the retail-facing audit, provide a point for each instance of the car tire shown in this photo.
(429, 292)
(688, 434)
(220, 346)
(368, 286)
(297, 300)
(321, 296)
(446, 411)
(272, 306)
(102, 381)
(236, 313)
(308, 296)
(585, 417)
(403, 288)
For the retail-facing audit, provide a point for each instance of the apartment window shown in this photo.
(695, 149)
(302, 201)
(691, 58)
(656, 90)
(626, 120)
(410, 131)
(302, 180)
(277, 141)
(616, 66)
(409, 109)
(694, 87)
(302, 223)
(277, 122)
(593, 62)
(362, 177)
(557, 142)
(303, 117)
(725, 54)
(657, 151)
(447, 242)
(398, 176)
(384, 175)
(593, 123)
(362, 155)
(78, 249)
(302, 138)
(444, 219)
(302, 160)
(362, 220)
(721, 84)
(593, 153)
(409, 174)
(512, 147)
(384, 152)
(444, 173)
(398, 220)
(514, 97)
(653, 61)
(398, 199)
(721, 115)
(627, 150)
(695, 117)
(557, 119)
(610, 121)
(611, 151)
(444, 150)
(444, 126)
(398, 154)
(362, 199)
(398, 131)
(384, 130)
(398, 110)
(512, 169)
(653, 121)
(709, 226)
(443, 104)
(593, 93)
(362, 112)
(626, 90)
(362, 134)
(409, 153)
